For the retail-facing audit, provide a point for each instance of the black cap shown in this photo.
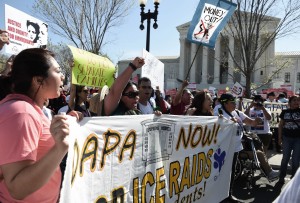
(258, 98)
(226, 97)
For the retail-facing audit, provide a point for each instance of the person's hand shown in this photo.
(258, 121)
(190, 111)
(77, 114)
(184, 84)
(233, 119)
(157, 113)
(138, 62)
(252, 104)
(4, 38)
(59, 129)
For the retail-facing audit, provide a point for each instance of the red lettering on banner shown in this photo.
(15, 23)
(21, 39)
(11, 29)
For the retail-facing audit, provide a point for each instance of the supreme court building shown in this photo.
(216, 68)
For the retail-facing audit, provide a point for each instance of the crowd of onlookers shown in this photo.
(32, 98)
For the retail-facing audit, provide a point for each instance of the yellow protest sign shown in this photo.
(91, 69)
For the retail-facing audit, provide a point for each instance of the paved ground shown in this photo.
(262, 191)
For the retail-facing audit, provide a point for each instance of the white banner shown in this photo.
(153, 69)
(24, 31)
(274, 107)
(147, 158)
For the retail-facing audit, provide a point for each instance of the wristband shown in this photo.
(132, 66)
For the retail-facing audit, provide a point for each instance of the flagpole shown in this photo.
(188, 73)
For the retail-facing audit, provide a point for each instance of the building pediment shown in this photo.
(183, 27)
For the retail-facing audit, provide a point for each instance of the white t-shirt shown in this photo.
(148, 109)
(291, 192)
(63, 109)
(239, 124)
(47, 112)
(263, 128)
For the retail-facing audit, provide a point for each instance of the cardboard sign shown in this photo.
(24, 31)
(91, 69)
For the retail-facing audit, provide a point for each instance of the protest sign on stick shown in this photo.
(91, 69)
(24, 31)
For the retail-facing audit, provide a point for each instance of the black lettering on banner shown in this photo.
(205, 136)
(190, 175)
(75, 158)
(89, 151)
(140, 191)
(107, 149)
(127, 145)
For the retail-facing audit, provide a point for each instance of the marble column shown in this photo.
(217, 63)
(204, 66)
(182, 59)
(230, 61)
(193, 68)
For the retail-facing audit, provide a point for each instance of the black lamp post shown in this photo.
(148, 16)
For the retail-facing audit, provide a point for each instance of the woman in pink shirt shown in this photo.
(31, 148)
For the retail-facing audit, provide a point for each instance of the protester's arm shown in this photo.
(112, 100)
(252, 122)
(178, 96)
(22, 178)
(4, 38)
(280, 126)
(266, 113)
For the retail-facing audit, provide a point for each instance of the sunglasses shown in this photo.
(131, 94)
(232, 101)
(85, 91)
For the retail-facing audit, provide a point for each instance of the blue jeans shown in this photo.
(289, 144)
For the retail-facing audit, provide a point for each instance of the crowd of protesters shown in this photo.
(32, 97)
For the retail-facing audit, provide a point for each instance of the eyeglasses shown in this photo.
(85, 91)
(131, 94)
(146, 87)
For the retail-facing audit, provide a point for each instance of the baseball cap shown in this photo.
(258, 98)
(226, 97)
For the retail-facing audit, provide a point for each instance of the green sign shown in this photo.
(91, 69)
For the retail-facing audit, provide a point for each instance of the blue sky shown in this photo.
(128, 40)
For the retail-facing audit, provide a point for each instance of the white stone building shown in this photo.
(209, 67)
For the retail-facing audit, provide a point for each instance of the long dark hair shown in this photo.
(26, 65)
(198, 102)
(121, 103)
